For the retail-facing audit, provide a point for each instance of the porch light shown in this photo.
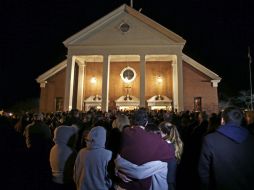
(159, 79)
(93, 80)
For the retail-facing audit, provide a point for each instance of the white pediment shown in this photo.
(130, 101)
(159, 100)
(93, 100)
(107, 31)
(162, 99)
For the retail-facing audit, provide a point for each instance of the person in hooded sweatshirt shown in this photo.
(227, 156)
(90, 169)
(62, 157)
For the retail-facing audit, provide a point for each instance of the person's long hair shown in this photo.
(173, 136)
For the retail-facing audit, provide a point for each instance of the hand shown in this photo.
(123, 177)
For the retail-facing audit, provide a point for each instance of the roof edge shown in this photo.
(136, 14)
(43, 77)
(150, 22)
(200, 67)
(94, 25)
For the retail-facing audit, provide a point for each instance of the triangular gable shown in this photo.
(116, 14)
(171, 35)
(52, 71)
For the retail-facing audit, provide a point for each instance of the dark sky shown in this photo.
(217, 32)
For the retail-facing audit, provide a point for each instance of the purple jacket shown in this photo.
(139, 147)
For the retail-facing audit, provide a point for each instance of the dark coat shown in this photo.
(139, 147)
(227, 159)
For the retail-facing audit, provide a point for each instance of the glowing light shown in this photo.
(126, 80)
(158, 107)
(128, 75)
(126, 108)
(93, 80)
(159, 79)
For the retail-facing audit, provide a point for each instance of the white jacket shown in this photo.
(157, 169)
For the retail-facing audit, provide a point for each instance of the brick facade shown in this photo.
(195, 84)
(54, 88)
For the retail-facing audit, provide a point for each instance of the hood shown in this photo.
(63, 134)
(96, 138)
(234, 132)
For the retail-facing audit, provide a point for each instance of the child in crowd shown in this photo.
(170, 133)
(62, 157)
(90, 170)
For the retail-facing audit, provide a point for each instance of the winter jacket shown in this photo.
(62, 154)
(90, 170)
(139, 147)
(157, 169)
(227, 159)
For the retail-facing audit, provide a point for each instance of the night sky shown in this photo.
(217, 32)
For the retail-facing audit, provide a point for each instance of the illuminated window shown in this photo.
(128, 74)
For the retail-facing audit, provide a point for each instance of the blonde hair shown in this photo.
(173, 136)
(121, 121)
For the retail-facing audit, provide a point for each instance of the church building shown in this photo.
(124, 61)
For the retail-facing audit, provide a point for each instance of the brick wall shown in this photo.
(196, 84)
(55, 87)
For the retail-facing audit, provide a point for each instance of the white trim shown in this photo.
(122, 102)
(105, 82)
(214, 77)
(151, 23)
(112, 15)
(93, 99)
(89, 29)
(215, 83)
(125, 79)
(52, 71)
(43, 84)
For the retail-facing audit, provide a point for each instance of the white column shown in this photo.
(69, 83)
(142, 87)
(105, 83)
(80, 97)
(178, 83)
(175, 92)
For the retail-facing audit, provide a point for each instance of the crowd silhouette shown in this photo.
(134, 150)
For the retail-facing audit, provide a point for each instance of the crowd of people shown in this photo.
(128, 150)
